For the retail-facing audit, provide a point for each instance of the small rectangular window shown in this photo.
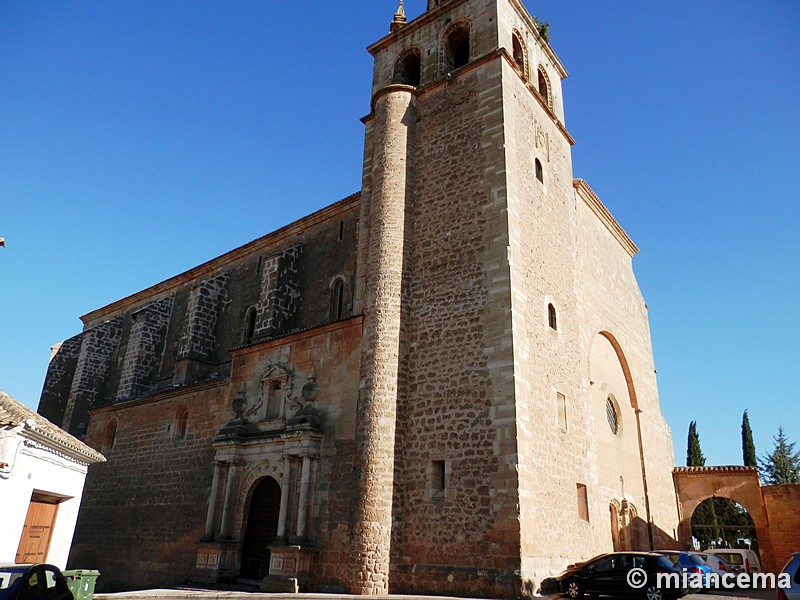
(561, 401)
(438, 478)
(583, 503)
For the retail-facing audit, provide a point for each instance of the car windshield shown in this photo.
(698, 560)
(10, 580)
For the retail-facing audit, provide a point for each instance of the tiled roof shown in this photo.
(13, 413)
(720, 469)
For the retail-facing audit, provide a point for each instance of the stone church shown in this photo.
(442, 383)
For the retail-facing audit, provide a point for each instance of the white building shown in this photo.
(42, 472)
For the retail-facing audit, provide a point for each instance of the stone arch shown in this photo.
(740, 484)
(519, 52)
(260, 528)
(625, 367)
(248, 482)
(408, 67)
(455, 50)
(543, 86)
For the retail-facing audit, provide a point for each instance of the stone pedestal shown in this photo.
(215, 561)
(287, 566)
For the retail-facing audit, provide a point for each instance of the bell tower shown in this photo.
(467, 259)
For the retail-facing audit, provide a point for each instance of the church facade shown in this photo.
(443, 383)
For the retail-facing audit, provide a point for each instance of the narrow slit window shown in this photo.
(552, 319)
(250, 327)
(539, 170)
(337, 300)
(583, 503)
(438, 478)
(182, 424)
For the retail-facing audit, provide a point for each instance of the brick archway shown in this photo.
(740, 484)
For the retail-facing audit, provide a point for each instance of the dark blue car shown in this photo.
(694, 566)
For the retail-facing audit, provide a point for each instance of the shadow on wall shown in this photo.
(640, 542)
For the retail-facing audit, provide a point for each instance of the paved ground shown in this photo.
(200, 594)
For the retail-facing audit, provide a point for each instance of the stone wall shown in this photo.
(782, 504)
(58, 381)
(143, 510)
(180, 331)
(456, 525)
(90, 380)
(145, 345)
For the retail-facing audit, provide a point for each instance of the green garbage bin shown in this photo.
(81, 582)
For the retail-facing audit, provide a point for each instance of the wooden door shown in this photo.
(36, 533)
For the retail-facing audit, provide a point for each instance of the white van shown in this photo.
(742, 560)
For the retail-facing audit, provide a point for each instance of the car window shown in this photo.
(673, 558)
(10, 580)
(731, 557)
(56, 586)
(696, 559)
(638, 561)
(663, 561)
(605, 564)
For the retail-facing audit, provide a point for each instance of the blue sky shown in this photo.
(139, 139)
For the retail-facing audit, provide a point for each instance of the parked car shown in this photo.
(690, 563)
(718, 564)
(607, 574)
(743, 560)
(33, 582)
(793, 569)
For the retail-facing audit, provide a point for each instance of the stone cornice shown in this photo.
(593, 202)
(159, 395)
(168, 286)
(445, 79)
(293, 336)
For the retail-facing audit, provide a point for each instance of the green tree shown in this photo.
(694, 456)
(782, 465)
(748, 447)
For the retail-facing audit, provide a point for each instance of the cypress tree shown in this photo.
(748, 447)
(782, 465)
(694, 456)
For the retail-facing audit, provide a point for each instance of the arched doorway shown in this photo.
(723, 523)
(262, 528)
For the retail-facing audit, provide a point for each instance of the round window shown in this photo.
(613, 415)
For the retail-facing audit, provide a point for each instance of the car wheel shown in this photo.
(574, 589)
(653, 592)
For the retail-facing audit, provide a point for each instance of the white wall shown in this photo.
(30, 469)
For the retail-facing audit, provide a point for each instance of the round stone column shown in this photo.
(392, 132)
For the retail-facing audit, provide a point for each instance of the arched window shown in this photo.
(456, 47)
(408, 68)
(539, 173)
(544, 86)
(519, 53)
(250, 326)
(551, 317)
(110, 435)
(337, 300)
(181, 423)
